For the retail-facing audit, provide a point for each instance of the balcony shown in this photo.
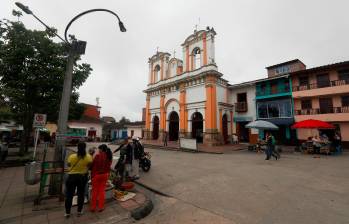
(332, 114)
(241, 107)
(272, 91)
(329, 110)
(320, 85)
(335, 87)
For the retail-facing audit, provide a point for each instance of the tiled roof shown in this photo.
(285, 63)
(86, 104)
(108, 119)
(323, 67)
(136, 123)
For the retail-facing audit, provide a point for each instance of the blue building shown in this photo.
(118, 133)
(114, 131)
(274, 101)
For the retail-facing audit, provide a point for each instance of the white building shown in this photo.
(243, 97)
(89, 128)
(188, 98)
(135, 129)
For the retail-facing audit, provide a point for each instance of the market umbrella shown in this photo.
(262, 125)
(313, 124)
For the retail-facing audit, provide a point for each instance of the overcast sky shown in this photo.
(251, 34)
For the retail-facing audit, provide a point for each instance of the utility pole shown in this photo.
(76, 48)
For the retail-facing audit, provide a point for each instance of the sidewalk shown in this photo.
(174, 145)
(17, 205)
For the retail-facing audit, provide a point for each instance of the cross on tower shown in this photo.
(174, 53)
(197, 25)
(157, 49)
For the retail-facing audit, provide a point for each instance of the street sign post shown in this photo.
(39, 122)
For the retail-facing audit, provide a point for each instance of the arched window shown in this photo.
(197, 58)
(157, 73)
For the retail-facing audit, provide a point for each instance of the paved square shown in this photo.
(241, 187)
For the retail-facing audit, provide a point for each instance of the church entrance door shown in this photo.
(225, 128)
(155, 127)
(173, 126)
(197, 127)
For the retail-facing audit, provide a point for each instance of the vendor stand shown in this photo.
(261, 125)
(324, 146)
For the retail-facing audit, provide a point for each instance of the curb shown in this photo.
(179, 150)
(143, 211)
(161, 147)
(152, 189)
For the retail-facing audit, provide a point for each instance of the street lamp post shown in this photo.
(76, 48)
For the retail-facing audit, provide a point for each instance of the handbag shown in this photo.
(66, 175)
(75, 164)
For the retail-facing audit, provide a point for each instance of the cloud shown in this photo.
(251, 35)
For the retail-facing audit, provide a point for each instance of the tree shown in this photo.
(32, 68)
(124, 120)
(5, 112)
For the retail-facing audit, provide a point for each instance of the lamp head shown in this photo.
(122, 27)
(24, 8)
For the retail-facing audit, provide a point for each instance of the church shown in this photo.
(188, 97)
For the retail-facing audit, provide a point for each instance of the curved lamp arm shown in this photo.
(121, 25)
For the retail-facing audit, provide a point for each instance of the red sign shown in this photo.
(39, 120)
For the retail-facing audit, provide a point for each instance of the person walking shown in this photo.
(271, 147)
(99, 174)
(268, 140)
(78, 165)
(165, 138)
(47, 140)
(274, 151)
(138, 151)
(337, 143)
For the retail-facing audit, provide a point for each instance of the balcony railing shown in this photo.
(241, 107)
(272, 91)
(320, 85)
(329, 110)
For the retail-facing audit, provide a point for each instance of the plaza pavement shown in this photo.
(242, 187)
(17, 203)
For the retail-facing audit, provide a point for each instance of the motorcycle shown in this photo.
(145, 162)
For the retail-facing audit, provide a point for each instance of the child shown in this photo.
(92, 151)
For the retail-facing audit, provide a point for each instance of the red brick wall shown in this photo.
(295, 66)
(91, 111)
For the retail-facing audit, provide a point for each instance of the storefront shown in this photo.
(279, 112)
(245, 134)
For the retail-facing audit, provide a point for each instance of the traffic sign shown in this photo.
(39, 120)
